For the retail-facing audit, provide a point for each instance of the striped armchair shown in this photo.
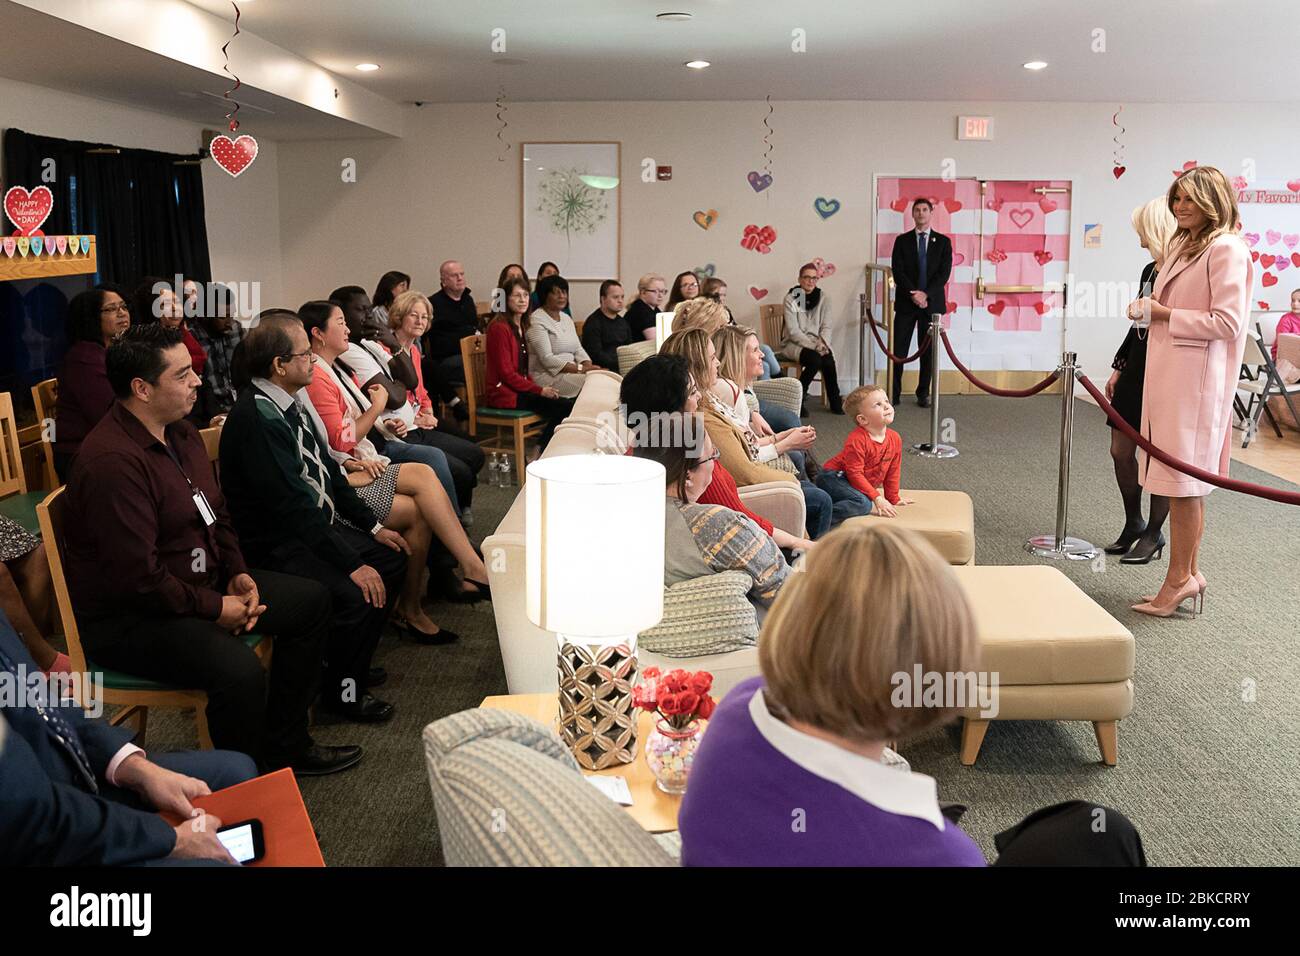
(507, 792)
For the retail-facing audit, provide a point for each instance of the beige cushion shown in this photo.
(944, 518)
(706, 615)
(1109, 701)
(1037, 627)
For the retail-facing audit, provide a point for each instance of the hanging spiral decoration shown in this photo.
(501, 109)
(1119, 168)
(767, 137)
(232, 117)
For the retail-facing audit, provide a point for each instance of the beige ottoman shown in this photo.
(1058, 655)
(944, 518)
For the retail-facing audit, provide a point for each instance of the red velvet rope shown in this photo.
(890, 355)
(1200, 474)
(992, 389)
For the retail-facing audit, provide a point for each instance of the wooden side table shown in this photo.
(655, 810)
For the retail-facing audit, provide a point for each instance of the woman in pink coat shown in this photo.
(1199, 316)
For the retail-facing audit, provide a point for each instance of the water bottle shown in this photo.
(494, 470)
(507, 470)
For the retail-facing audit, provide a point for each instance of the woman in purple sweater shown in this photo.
(794, 769)
(95, 318)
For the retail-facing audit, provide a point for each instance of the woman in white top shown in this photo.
(740, 361)
(808, 335)
(556, 357)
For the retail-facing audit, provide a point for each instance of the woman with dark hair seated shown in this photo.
(391, 285)
(808, 740)
(686, 287)
(535, 301)
(513, 271)
(507, 383)
(156, 301)
(556, 357)
(219, 332)
(95, 318)
(661, 385)
(700, 540)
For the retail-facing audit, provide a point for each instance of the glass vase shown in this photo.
(670, 752)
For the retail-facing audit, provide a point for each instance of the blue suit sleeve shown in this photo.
(44, 823)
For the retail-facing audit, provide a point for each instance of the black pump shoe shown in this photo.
(1125, 541)
(1145, 550)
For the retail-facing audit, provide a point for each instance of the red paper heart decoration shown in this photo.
(1042, 308)
(1264, 305)
(28, 210)
(1047, 205)
(1267, 259)
(996, 255)
(758, 294)
(1254, 254)
(758, 239)
(1021, 217)
(1293, 185)
(898, 205)
(1119, 171)
(995, 308)
(952, 205)
(995, 204)
(1295, 259)
(1043, 257)
(1268, 280)
(1190, 164)
(234, 155)
(952, 307)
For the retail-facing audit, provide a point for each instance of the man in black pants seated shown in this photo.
(455, 316)
(158, 578)
(296, 512)
(77, 792)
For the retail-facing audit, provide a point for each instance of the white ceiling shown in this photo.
(440, 50)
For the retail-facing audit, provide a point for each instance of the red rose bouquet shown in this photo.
(678, 696)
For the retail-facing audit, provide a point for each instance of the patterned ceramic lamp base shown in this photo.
(597, 719)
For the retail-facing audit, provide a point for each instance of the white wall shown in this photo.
(243, 214)
(441, 193)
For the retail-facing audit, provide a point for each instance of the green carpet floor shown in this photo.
(1207, 771)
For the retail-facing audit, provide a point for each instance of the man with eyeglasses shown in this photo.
(651, 294)
(296, 513)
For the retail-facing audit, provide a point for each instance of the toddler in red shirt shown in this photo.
(864, 476)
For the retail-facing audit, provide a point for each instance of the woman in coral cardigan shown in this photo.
(507, 382)
(1199, 315)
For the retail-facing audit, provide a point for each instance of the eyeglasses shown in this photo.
(801, 278)
(114, 309)
(704, 461)
(294, 355)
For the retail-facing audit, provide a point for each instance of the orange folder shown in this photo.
(276, 801)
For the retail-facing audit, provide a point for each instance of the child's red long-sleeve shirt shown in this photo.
(871, 466)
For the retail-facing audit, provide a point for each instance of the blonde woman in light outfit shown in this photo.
(1139, 541)
(1199, 313)
(740, 362)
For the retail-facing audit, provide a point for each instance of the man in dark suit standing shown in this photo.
(77, 792)
(922, 263)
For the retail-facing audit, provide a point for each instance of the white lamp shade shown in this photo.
(663, 328)
(595, 545)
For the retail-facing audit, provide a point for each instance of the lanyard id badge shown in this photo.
(205, 510)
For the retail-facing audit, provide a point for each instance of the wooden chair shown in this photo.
(211, 441)
(521, 423)
(483, 310)
(16, 502)
(134, 695)
(772, 322)
(578, 325)
(45, 395)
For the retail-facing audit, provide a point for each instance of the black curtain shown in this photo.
(145, 208)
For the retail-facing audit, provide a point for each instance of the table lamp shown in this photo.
(594, 575)
(663, 328)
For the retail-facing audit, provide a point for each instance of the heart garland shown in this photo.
(758, 239)
(50, 246)
(1119, 168)
(29, 210)
(233, 155)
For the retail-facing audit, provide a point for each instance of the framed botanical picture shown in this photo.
(572, 201)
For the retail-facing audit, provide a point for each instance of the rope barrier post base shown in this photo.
(934, 448)
(1060, 545)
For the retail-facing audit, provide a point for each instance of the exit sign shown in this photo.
(974, 127)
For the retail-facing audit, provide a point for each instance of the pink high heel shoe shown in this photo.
(1200, 580)
(1191, 589)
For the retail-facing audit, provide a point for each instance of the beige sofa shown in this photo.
(696, 613)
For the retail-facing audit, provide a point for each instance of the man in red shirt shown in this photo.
(864, 475)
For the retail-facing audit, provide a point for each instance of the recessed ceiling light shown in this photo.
(367, 67)
(674, 16)
(1036, 65)
(697, 64)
